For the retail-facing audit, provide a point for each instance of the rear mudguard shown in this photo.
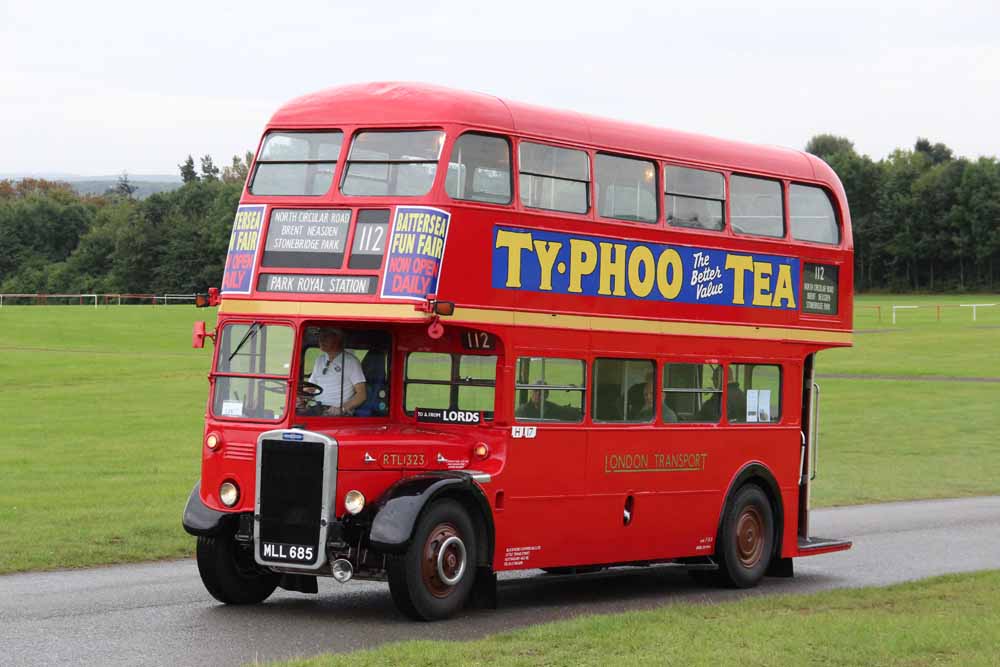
(399, 508)
(202, 521)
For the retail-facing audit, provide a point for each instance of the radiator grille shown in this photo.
(291, 491)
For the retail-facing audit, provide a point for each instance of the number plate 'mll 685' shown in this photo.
(289, 553)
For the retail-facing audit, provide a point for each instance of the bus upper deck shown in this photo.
(350, 211)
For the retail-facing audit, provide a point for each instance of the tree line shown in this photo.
(924, 220)
(55, 240)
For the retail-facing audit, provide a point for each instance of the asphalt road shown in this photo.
(159, 613)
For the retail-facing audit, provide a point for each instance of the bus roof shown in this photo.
(398, 103)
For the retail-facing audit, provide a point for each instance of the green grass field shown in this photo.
(953, 620)
(919, 344)
(103, 413)
(884, 440)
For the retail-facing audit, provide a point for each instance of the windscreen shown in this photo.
(251, 371)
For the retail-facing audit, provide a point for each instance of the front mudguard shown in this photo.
(399, 508)
(202, 521)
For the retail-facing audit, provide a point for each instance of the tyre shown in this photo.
(433, 578)
(230, 574)
(746, 538)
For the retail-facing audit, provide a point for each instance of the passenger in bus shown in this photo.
(669, 415)
(646, 412)
(641, 407)
(536, 406)
(340, 375)
(736, 400)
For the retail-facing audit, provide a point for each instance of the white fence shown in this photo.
(937, 307)
(94, 300)
(976, 306)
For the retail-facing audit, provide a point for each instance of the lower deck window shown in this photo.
(754, 393)
(450, 381)
(550, 389)
(623, 390)
(692, 393)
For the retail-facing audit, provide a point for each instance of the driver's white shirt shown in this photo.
(344, 372)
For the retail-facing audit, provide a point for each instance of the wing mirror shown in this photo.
(198, 335)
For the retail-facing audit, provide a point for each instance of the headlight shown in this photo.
(229, 493)
(354, 502)
(212, 441)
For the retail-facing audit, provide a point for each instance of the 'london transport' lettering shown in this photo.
(655, 462)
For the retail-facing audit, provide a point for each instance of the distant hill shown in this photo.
(98, 185)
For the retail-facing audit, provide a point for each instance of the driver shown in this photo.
(339, 373)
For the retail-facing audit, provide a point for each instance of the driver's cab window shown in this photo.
(344, 372)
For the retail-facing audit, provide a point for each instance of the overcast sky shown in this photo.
(96, 87)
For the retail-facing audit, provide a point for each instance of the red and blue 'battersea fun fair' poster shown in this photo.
(243, 245)
(415, 252)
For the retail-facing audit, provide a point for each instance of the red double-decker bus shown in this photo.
(460, 335)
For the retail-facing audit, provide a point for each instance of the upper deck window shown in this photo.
(383, 164)
(694, 198)
(812, 215)
(557, 179)
(479, 169)
(756, 206)
(296, 163)
(626, 188)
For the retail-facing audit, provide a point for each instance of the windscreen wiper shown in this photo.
(239, 346)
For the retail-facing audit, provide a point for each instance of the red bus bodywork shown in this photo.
(555, 498)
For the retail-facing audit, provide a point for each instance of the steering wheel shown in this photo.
(274, 386)
(309, 389)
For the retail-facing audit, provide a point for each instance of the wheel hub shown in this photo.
(750, 537)
(444, 560)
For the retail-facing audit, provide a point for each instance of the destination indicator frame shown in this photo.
(299, 238)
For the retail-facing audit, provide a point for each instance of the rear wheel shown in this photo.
(433, 578)
(746, 540)
(230, 573)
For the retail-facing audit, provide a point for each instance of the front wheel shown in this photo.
(230, 574)
(746, 540)
(433, 578)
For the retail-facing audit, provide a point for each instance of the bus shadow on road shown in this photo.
(636, 588)
(522, 598)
